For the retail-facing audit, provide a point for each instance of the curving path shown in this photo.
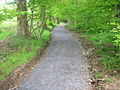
(62, 68)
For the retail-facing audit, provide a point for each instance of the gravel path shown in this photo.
(62, 68)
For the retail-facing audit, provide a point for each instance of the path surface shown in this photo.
(62, 68)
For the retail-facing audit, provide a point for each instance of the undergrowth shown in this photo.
(107, 51)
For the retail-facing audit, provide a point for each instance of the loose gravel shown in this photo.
(62, 68)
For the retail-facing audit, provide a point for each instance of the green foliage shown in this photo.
(116, 32)
(96, 19)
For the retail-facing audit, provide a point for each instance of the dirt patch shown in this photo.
(13, 80)
(110, 80)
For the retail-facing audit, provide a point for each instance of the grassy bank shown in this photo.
(23, 49)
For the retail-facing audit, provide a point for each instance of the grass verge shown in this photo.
(24, 49)
(104, 48)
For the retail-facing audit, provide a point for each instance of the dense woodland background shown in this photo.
(26, 26)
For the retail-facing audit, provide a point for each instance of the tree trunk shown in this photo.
(32, 15)
(43, 21)
(56, 21)
(22, 22)
(52, 20)
(69, 21)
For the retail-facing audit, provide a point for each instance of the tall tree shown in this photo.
(22, 22)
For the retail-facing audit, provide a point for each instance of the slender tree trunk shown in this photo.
(56, 21)
(32, 15)
(43, 21)
(69, 21)
(22, 22)
(52, 19)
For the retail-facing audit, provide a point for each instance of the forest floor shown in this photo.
(63, 67)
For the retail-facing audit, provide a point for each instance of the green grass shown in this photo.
(6, 28)
(27, 49)
(98, 75)
(110, 80)
(4, 34)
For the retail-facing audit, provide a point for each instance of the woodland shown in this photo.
(25, 27)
